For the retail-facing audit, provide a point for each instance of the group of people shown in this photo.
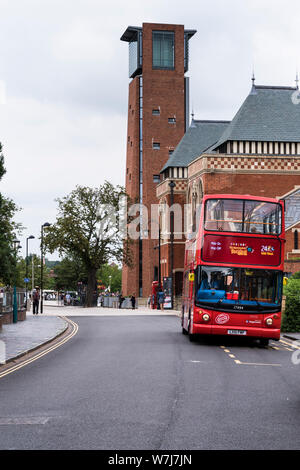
(119, 299)
(132, 299)
(160, 299)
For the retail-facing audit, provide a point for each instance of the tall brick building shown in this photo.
(158, 116)
(257, 153)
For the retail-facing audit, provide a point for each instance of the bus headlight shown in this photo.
(206, 317)
(269, 321)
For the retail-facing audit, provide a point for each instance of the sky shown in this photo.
(64, 84)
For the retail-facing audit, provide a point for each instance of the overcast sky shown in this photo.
(64, 83)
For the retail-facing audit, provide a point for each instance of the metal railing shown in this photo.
(7, 299)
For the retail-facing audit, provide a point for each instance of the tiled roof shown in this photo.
(199, 137)
(269, 114)
(292, 208)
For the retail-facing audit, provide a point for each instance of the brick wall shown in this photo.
(163, 90)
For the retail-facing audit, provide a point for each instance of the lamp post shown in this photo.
(159, 253)
(159, 257)
(26, 282)
(172, 186)
(46, 224)
(17, 246)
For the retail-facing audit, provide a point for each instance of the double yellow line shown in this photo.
(45, 351)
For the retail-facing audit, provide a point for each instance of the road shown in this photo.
(135, 382)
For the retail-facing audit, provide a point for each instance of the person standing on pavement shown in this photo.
(121, 298)
(36, 300)
(161, 299)
(132, 298)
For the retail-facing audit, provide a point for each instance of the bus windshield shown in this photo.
(237, 215)
(242, 289)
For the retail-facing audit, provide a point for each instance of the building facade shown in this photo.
(257, 153)
(158, 116)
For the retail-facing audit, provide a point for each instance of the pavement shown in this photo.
(17, 339)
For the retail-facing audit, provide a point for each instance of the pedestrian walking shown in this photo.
(160, 299)
(36, 300)
(132, 298)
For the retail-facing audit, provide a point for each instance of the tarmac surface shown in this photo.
(17, 339)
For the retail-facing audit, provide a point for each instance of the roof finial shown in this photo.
(297, 80)
(253, 78)
(192, 114)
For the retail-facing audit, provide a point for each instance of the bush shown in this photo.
(291, 318)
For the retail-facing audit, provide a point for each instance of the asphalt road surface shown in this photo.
(138, 383)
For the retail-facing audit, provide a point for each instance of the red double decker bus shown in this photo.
(234, 268)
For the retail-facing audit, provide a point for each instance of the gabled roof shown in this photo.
(269, 114)
(200, 136)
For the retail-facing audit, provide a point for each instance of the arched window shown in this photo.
(163, 217)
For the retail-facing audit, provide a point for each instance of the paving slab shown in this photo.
(18, 338)
(70, 311)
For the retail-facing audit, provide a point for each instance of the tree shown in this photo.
(48, 280)
(296, 275)
(87, 229)
(291, 318)
(68, 273)
(2, 168)
(110, 275)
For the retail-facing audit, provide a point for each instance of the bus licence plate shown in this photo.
(236, 332)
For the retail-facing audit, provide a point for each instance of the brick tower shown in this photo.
(158, 116)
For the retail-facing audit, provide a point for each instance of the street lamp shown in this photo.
(46, 224)
(17, 246)
(159, 251)
(172, 186)
(26, 281)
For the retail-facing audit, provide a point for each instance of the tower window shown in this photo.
(172, 120)
(156, 112)
(163, 49)
(156, 145)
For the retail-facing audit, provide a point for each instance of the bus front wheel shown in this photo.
(264, 342)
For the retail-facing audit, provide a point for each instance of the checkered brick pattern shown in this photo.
(164, 188)
(180, 185)
(254, 163)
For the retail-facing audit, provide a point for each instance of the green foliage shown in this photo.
(48, 280)
(68, 273)
(291, 318)
(296, 275)
(110, 274)
(2, 168)
(8, 231)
